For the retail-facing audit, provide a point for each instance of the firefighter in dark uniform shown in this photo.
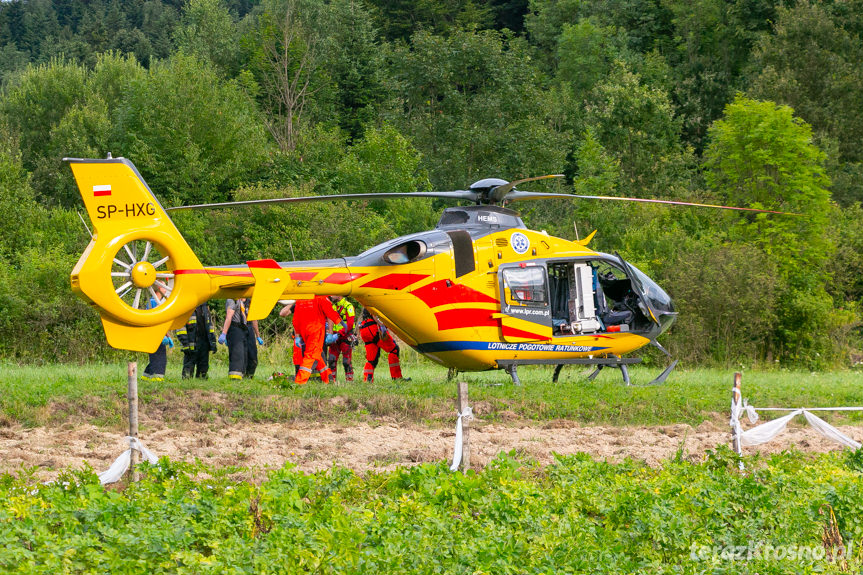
(253, 340)
(155, 370)
(197, 340)
(235, 333)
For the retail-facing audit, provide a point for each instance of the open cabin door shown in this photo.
(524, 302)
(638, 290)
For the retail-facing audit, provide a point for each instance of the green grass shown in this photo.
(575, 515)
(57, 394)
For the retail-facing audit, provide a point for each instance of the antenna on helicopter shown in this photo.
(86, 227)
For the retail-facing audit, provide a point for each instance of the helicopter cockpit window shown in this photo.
(526, 286)
(405, 253)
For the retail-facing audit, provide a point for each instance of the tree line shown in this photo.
(748, 103)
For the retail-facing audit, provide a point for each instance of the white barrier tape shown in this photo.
(737, 407)
(811, 408)
(829, 431)
(121, 465)
(457, 449)
(767, 431)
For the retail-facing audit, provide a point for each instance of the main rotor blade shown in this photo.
(499, 193)
(453, 195)
(519, 195)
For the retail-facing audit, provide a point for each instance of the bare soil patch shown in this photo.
(377, 446)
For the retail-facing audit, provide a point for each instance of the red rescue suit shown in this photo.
(378, 338)
(310, 323)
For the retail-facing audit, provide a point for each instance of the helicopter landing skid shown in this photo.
(656, 381)
(623, 371)
(511, 366)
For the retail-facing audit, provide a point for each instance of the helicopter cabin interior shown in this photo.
(582, 296)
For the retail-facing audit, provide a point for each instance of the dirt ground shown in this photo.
(381, 446)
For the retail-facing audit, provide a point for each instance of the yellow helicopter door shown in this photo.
(524, 302)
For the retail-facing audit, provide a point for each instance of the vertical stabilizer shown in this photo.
(136, 258)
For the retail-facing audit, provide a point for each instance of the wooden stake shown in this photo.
(465, 426)
(132, 396)
(736, 397)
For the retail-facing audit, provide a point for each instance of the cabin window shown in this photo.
(405, 253)
(526, 286)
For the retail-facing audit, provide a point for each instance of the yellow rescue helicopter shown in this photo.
(479, 292)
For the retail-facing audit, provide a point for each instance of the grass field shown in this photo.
(54, 394)
(794, 512)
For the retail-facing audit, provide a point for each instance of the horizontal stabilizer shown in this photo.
(270, 283)
(134, 338)
(181, 321)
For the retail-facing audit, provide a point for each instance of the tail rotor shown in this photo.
(139, 269)
(136, 255)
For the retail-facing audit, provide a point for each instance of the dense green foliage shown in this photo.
(750, 103)
(575, 516)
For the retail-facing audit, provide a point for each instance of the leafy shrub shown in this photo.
(577, 515)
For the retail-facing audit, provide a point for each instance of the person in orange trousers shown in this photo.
(310, 326)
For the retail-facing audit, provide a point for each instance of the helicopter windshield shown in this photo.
(659, 300)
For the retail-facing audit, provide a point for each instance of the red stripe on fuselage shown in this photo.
(470, 317)
(513, 332)
(221, 272)
(190, 272)
(394, 281)
(439, 293)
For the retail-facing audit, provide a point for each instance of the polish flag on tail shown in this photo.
(102, 190)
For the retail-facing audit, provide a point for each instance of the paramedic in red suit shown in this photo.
(310, 324)
(298, 346)
(377, 338)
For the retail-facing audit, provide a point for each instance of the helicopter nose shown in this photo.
(663, 306)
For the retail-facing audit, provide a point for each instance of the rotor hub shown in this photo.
(143, 275)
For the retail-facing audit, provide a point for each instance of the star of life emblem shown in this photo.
(519, 242)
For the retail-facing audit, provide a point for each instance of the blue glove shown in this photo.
(331, 338)
(298, 341)
(260, 341)
(222, 338)
(168, 341)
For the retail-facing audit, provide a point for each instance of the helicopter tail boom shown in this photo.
(136, 258)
